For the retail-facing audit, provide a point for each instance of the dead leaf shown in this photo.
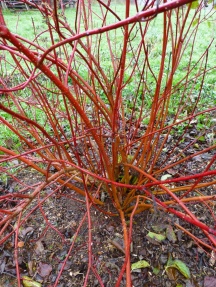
(172, 273)
(44, 269)
(212, 258)
(206, 156)
(170, 234)
(26, 230)
(209, 282)
(171, 171)
(67, 265)
(39, 248)
(31, 267)
(192, 283)
(197, 158)
(2, 265)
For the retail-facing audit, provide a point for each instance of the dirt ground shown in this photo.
(45, 240)
(44, 249)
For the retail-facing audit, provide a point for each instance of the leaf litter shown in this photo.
(42, 250)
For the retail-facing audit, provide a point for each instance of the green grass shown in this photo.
(21, 23)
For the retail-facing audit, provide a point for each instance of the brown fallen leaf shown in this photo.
(212, 258)
(67, 265)
(209, 282)
(31, 267)
(117, 245)
(44, 269)
(172, 273)
(170, 234)
(39, 248)
(26, 230)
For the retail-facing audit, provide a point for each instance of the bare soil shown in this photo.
(46, 236)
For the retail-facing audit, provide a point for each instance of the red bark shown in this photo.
(2, 21)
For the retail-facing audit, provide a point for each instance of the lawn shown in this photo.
(29, 24)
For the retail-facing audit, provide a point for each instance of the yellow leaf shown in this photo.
(139, 264)
(28, 282)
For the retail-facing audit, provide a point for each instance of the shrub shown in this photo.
(109, 103)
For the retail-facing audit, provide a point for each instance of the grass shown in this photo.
(21, 22)
(29, 23)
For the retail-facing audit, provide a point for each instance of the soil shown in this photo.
(46, 237)
(44, 248)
